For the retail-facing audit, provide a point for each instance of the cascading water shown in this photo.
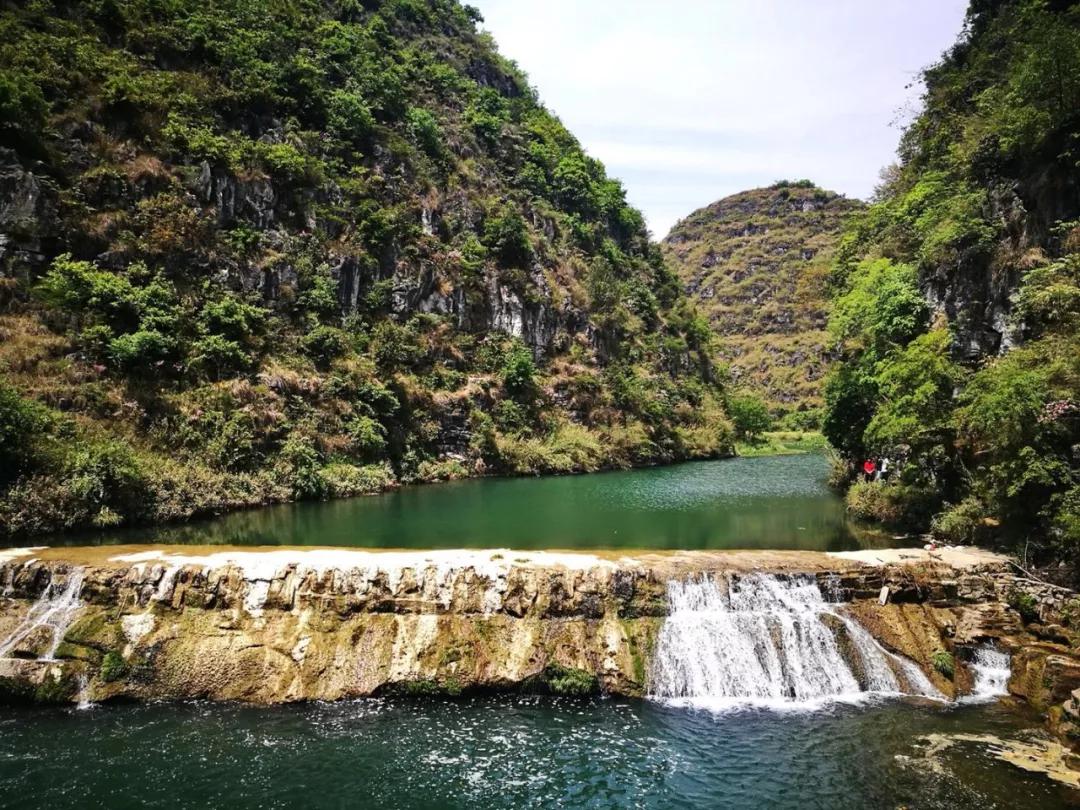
(770, 640)
(54, 610)
(991, 668)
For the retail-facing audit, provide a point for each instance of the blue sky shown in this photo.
(688, 102)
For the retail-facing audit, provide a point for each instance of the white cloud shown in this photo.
(692, 101)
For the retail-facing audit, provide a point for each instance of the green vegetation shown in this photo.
(113, 667)
(783, 443)
(758, 265)
(944, 663)
(957, 297)
(1024, 604)
(570, 681)
(283, 249)
(750, 417)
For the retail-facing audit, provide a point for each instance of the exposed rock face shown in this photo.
(28, 216)
(301, 625)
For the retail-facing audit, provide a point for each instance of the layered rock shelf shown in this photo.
(269, 626)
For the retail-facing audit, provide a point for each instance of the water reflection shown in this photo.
(777, 502)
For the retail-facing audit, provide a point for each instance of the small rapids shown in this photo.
(991, 668)
(770, 640)
(53, 611)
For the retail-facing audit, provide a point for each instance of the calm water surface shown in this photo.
(779, 502)
(509, 752)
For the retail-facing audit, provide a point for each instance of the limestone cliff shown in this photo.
(257, 251)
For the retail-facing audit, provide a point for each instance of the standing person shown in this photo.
(869, 468)
(883, 470)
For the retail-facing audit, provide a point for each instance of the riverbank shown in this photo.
(783, 443)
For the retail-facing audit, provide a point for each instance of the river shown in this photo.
(778, 502)
(509, 752)
(866, 750)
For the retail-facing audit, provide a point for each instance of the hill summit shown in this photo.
(758, 263)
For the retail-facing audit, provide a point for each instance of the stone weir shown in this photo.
(269, 626)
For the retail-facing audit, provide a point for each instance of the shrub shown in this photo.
(108, 471)
(447, 470)
(217, 357)
(570, 681)
(349, 117)
(368, 437)
(424, 128)
(572, 448)
(519, 370)
(113, 667)
(962, 524)
(142, 351)
(899, 505)
(507, 236)
(944, 663)
(22, 422)
(343, 480)
(22, 105)
(324, 344)
(302, 464)
(394, 346)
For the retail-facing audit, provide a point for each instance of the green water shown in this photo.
(777, 503)
(510, 752)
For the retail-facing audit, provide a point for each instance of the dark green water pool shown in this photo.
(511, 752)
(779, 503)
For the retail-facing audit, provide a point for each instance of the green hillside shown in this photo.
(258, 250)
(958, 295)
(758, 264)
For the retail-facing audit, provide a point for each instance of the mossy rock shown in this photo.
(78, 652)
(94, 629)
(1025, 604)
(19, 691)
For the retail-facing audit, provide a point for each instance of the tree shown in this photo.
(750, 416)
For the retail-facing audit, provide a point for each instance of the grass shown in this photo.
(783, 443)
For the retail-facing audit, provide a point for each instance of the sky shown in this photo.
(687, 102)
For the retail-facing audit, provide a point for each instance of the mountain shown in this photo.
(259, 250)
(758, 264)
(958, 295)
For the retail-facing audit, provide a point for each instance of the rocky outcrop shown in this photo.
(288, 625)
(294, 625)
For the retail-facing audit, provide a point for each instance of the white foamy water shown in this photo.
(773, 641)
(83, 695)
(54, 610)
(991, 668)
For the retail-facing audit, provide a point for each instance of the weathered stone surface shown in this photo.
(288, 625)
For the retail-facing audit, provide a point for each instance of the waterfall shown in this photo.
(83, 695)
(991, 668)
(764, 639)
(54, 611)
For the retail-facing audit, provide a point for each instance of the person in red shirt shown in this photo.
(869, 468)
